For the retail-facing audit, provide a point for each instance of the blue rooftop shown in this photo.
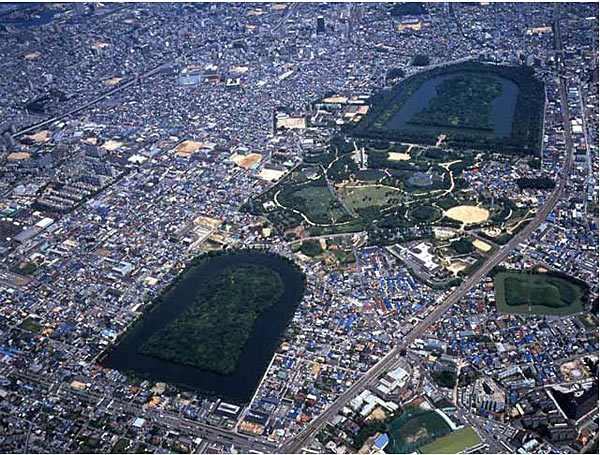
(382, 441)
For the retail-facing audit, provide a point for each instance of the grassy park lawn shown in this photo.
(536, 293)
(455, 442)
(318, 204)
(358, 197)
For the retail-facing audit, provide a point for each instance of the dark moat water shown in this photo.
(501, 115)
(257, 351)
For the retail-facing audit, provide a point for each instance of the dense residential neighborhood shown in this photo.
(449, 292)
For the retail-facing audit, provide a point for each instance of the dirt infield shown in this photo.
(291, 122)
(270, 174)
(468, 214)
(396, 156)
(111, 145)
(99, 45)
(90, 140)
(206, 221)
(456, 267)
(336, 100)
(31, 55)
(187, 148)
(18, 156)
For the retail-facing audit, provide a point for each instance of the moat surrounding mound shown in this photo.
(212, 331)
(538, 293)
(216, 327)
(474, 105)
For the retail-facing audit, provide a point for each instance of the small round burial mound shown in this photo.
(468, 214)
(420, 179)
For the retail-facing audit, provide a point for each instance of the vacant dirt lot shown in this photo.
(187, 148)
(113, 81)
(246, 161)
(40, 136)
(111, 145)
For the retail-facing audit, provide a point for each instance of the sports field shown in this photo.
(397, 156)
(536, 293)
(413, 429)
(455, 442)
(246, 161)
(483, 246)
(468, 214)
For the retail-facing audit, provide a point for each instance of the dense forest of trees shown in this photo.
(211, 332)
(311, 248)
(421, 60)
(343, 168)
(395, 73)
(463, 101)
(463, 246)
(444, 378)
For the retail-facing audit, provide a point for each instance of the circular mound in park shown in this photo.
(369, 175)
(425, 214)
(468, 214)
(420, 179)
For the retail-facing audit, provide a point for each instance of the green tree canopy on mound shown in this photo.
(211, 333)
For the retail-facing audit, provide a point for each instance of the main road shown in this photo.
(308, 433)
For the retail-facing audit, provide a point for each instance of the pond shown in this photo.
(501, 115)
(256, 353)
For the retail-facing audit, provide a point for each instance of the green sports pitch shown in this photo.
(455, 442)
(537, 293)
